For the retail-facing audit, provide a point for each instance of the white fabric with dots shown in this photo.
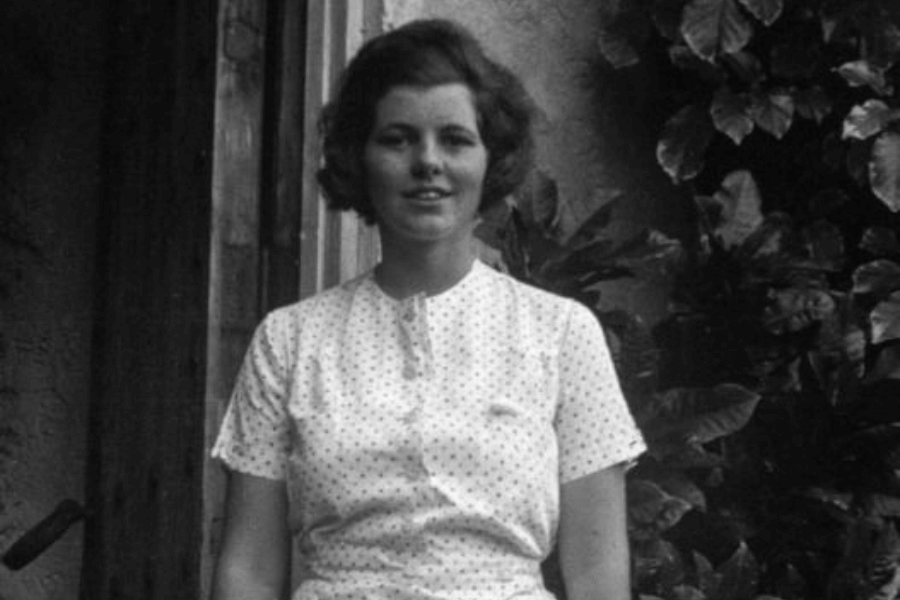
(424, 440)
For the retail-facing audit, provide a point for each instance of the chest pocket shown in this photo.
(517, 383)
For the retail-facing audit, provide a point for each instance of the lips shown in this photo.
(426, 194)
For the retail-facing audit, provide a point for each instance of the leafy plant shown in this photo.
(767, 397)
(768, 393)
(751, 72)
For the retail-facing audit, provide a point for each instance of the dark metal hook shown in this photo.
(37, 539)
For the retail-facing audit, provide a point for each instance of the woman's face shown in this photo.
(425, 164)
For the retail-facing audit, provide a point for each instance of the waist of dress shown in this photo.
(495, 578)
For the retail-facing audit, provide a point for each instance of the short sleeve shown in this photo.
(254, 435)
(594, 427)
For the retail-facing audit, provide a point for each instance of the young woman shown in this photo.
(431, 429)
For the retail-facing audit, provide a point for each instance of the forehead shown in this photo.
(449, 103)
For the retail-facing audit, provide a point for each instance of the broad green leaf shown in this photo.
(741, 202)
(603, 200)
(884, 170)
(666, 15)
(637, 361)
(687, 456)
(687, 592)
(656, 560)
(621, 39)
(766, 11)
(538, 201)
(707, 578)
(740, 576)
(650, 508)
(651, 255)
(772, 239)
(700, 415)
(885, 506)
(813, 103)
(711, 27)
(746, 66)
(878, 436)
(862, 73)
(845, 578)
(794, 309)
(825, 244)
(684, 58)
(647, 255)
(791, 583)
(879, 277)
(885, 320)
(880, 241)
(839, 501)
(676, 483)
(883, 569)
(773, 111)
(858, 159)
(887, 365)
(681, 149)
(882, 42)
(618, 50)
(731, 114)
(866, 120)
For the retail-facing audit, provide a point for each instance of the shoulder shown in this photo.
(532, 295)
(546, 313)
(313, 316)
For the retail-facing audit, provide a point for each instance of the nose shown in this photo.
(428, 161)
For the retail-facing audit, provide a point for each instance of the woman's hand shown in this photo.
(254, 560)
(593, 536)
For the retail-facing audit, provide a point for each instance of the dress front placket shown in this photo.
(418, 372)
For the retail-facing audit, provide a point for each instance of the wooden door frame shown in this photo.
(271, 239)
(143, 474)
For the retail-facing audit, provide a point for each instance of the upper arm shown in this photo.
(593, 536)
(254, 558)
(593, 423)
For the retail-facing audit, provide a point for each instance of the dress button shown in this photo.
(409, 316)
(410, 371)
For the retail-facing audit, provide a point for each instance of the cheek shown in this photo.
(381, 171)
(476, 173)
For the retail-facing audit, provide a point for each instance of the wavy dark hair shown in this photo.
(424, 52)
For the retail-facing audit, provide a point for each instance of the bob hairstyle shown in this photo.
(424, 53)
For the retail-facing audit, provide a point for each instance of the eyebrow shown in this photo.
(451, 126)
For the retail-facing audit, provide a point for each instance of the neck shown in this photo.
(405, 271)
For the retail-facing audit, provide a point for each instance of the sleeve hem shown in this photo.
(626, 454)
(235, 463)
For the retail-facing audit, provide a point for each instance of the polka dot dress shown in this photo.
(424, 440)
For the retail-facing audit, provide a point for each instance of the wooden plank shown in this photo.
(146, 415)
(334, 246)
(312, 209)
(283, 179)
(234, 285)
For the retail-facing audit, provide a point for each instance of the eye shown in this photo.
(392, 139)
(459, 139)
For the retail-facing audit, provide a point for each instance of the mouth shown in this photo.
(426, 194)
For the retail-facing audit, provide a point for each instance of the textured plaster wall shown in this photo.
(595, 133)
(49, 187)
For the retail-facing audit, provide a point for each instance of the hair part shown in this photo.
(424, 53)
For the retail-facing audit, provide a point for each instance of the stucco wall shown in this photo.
(594, 135)
(49, 187)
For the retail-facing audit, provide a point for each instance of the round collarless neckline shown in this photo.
(472, 274)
